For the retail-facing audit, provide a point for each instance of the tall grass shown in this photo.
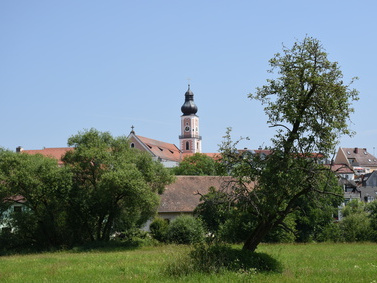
(301, 263)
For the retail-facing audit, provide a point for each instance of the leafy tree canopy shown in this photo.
(199, 164)
(309, 105)
(103, 186)
(115, 185)
(42, 187)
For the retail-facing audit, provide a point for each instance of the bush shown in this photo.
(185, 230)
(135, 237)
(219, 257)
(222, 257)
(159, 228)
(356, 227)
(331, 233)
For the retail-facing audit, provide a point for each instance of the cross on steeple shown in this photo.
(132, 129)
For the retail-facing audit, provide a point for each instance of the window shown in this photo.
(132, 145)
(187, 145)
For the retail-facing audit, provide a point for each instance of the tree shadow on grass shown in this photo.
(96, 246)
(218, 258)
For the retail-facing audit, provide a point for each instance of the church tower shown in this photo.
(190, 140)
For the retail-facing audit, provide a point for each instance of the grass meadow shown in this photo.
(325, 262)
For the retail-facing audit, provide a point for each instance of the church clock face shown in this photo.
(187, 129)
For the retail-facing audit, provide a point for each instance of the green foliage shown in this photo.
(219, 258)
(115, 187)
(315, 214)
(111, 262)
(42, 188)
(284, 233)
(236, 228)
(199, 164)
(356, 227)
(309, 105)
(216, 258)
(232, 225)
(104, 186)
(330, 233)
(356, 223)
(213, 209)
(372, 210)
(159, 228)
(185, 229)
(135, 238)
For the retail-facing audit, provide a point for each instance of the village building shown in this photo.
(359, 159)
(183, 196)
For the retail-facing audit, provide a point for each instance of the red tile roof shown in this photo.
(214, 155)
(164, 150)
(341, 169)
(53, 152)
(182, 195)
(361, 155)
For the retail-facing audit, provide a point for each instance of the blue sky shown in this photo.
(66, 66)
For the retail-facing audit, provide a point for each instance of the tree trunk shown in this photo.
(107, 228)
(257, 236)
(99, 228)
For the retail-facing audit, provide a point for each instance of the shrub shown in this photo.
(185, 230)
(219, 257)
(135, 237)
(222, 257)
(356, 227)
(330, 233)
(159, 228)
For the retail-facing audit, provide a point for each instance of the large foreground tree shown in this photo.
(115, 187)
(309, 105)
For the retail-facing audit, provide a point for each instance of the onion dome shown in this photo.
(189, 107)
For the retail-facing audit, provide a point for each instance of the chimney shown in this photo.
(19, 149)
(356, 150)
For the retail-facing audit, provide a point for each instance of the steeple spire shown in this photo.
(189, 107)
(190, 140)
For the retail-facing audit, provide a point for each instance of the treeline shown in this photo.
(219, 224)
(103, 186)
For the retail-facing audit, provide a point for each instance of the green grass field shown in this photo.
(302, 263)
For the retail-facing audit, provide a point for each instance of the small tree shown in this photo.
(199, 164)
(42, 187)
(159, 229)
(309, 105)
(185, 229)
(356, 222)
